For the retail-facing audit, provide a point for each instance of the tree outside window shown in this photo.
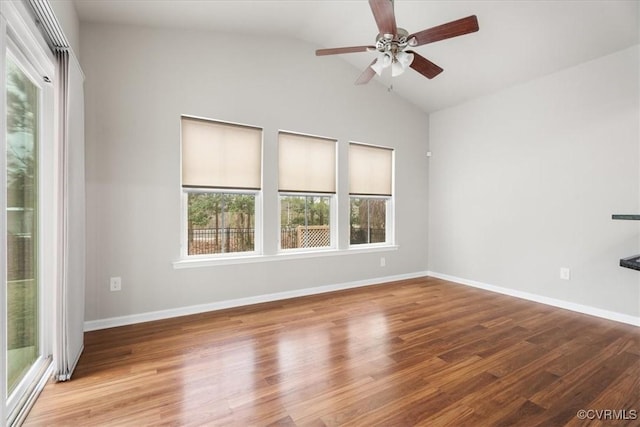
(368, 220)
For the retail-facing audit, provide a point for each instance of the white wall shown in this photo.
(524, 182)
(138, 83)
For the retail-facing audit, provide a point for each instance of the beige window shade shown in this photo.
(306, 163)
(370, 170)
(220, 155)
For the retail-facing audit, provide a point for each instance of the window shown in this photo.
(368, 220)
(370, 190)
(220, 222)
(307, 186)
(304, 221)
(221, 182)
(22, 222)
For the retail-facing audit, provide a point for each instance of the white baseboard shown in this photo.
(585, 309)
(112, 322)
(93, 325)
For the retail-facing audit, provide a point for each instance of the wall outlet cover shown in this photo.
(115, 284)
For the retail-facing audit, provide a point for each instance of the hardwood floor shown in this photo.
(417, 352)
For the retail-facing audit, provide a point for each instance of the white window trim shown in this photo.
(184, 232)
(333, 223)
(391, 220)
(258, 215)
(282, 256)
(390, 224)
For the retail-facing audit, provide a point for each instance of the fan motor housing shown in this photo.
(392, 42)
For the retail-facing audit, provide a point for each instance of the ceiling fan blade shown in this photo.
(384, 16)
(367, 74)
(445, 31)
(424, 66)
(338, 50)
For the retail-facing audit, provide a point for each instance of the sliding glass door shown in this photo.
(28, 212)
(22, 234)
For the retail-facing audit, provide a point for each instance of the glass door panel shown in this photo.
(23, 335)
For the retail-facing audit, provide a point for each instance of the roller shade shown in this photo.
(307, 164)
(220, 155)
(370, 170)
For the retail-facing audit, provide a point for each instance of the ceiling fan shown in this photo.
(392, 43)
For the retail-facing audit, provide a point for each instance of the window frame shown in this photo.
(257, 228)
(390, 224)
(388, 239)
(184, 204)
(333, 199)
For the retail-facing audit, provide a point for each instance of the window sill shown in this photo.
(283, 256)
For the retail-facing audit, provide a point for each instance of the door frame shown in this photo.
(21, 39)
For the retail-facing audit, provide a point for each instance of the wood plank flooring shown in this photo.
(421, 352)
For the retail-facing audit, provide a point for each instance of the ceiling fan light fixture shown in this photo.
(401, 62)
(404, 58)
(377, 67)
(396, 69)
(384, 60)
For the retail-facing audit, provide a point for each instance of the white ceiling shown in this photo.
(518, 40)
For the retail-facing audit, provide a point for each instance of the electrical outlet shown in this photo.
(383, 262)
(565, 273)
(115, 284)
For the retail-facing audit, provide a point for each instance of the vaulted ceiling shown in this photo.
(518, 40)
